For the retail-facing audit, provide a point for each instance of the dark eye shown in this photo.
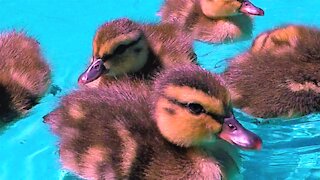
(120, 49)
(232, 127)
(195, 108)
(310, 79)
(106, 57)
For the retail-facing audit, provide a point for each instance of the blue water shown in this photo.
(65, 30)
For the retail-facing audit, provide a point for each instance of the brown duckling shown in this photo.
(24, 75)
(125, 48)
(280, 75)
(213, 21)
(182, 127)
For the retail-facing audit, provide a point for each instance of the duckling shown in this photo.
(212, 21)
(180, 128)
(279, 76)
(124, 48)
(24, 75)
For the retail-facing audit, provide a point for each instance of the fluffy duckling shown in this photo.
(280, 75)
(182, 128)
(213, 21)
(126, 48)
(24, 75)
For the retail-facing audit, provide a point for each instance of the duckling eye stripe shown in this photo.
(107, 56)
(217, 117)
(265, 40)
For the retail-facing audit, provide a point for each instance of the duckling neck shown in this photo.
(227, 155)
(218, 159)
(214, 161)
(193, 16)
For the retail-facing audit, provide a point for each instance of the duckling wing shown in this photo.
(99, 129)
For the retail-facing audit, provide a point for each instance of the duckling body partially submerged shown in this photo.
(213, 21)
(24, 75)
(280, 75)
(171, 131)
(124, 48)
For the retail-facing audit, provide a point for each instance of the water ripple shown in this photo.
(290, 147)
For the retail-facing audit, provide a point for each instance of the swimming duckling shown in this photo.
(213, 21)
(125, 48)
(177, 130)
(280, 75)
(24, 75)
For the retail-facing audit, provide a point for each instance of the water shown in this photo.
(65, 30)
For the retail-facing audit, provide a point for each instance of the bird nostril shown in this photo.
(96, 67)
(232, 127)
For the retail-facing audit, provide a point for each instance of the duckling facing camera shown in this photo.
(280, 75)
(182, 127)
(24, 75)
(212, 21)
(124, 48)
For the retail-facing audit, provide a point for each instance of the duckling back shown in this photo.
(108, 135)
(280, 75)
(172, 45)
(24, 75)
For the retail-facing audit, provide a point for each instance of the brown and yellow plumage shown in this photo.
(213, 21)
(124, 48)
(24, 74)
(172, 130)
(280, 75)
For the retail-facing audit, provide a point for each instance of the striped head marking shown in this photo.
(278, 40)
(117, 53)
(194, 107)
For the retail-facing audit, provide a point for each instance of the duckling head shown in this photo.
(193, 107)
(288, 38)
(225, 8)
(302, 47)
(119, 48)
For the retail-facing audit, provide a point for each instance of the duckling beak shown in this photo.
(93, 72)
(248, 8)
(234, 133)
